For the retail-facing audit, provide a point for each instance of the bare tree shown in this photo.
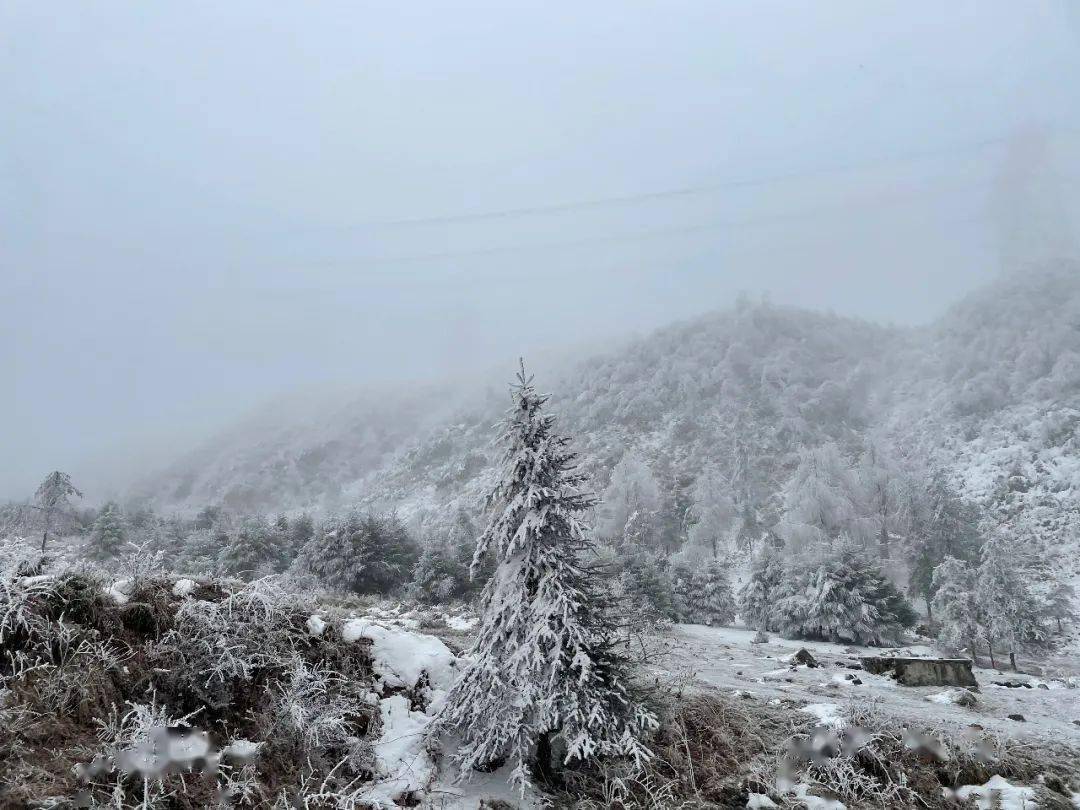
(52, 499)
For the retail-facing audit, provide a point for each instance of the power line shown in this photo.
(674, 193)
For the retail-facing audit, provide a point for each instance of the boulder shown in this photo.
(804, 657)
(923, 671)
(1019, 718)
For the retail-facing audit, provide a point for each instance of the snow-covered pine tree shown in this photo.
(1051, 588)
(842, 596)
(546, 672)
(442, 572)
(107, 538)
(703, 594)
(942, 525)
(757, 599)
(361, 553)
(956, 605)
(1009, 608)
(252, 550)
(645, 586)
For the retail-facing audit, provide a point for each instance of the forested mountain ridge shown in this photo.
(721, 408)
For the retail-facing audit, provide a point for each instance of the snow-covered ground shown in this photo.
(726, 659)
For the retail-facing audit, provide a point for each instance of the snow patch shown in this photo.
(120, 591)
(996, 793)
(183, 587)
(827, 714)
(460, 623)
(401, 657)
(242, 749)
(759, 801)
(403, 763)
(315, 625)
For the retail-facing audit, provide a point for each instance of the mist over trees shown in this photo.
(767, 465)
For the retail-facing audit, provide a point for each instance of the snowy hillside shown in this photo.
(990, 393)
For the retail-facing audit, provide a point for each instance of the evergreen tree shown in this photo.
(361, 553)
(546, 671)
(942, 525)
(442, 572)
(821, 501)
(252, 550)
(843, 597)
(301, 530)
(645, 587)
(956, 605)
(757, 599)
(1009, 609)
(713, 513)
(703, 594)
(107, 537)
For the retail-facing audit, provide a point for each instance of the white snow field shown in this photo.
(725, 658)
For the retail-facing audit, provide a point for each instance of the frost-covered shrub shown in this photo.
(842, 596)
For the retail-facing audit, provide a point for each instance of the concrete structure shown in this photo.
(924, 671)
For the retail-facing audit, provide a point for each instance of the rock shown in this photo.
(1013, 684)
(760, 637)
(1019, 718)
(976, 726)
(956, 697)
(804, 657)
(1041, 686)
(1076, 722)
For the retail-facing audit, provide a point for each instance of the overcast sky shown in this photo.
(204, 203)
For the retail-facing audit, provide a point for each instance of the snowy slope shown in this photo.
(991, 393)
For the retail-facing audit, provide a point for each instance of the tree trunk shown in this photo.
(883, 541)
(1060, 631)
(45, 534)
(1012, 661)
(929, 610)
(974, 653)
(993, 663)
(544, 772)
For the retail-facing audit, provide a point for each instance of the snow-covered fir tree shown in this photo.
(1008, 606)
(547, 677)
(253, 549)
(632, 494)
(713, 513)
(956, 605)
(361, 553)
(840, 595)
(442, 572)
(703, 593)
(821, 501)
(644, 586)
(107, 537)
(942, 525)
(757, 599)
